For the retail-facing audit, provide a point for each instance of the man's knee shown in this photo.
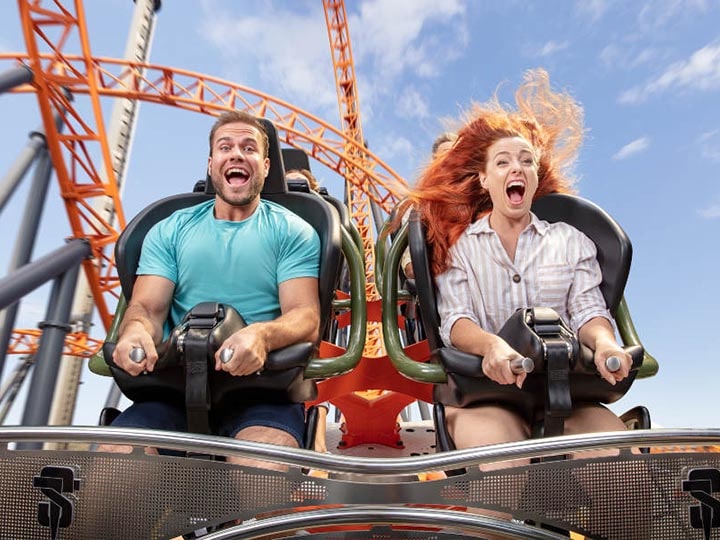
(124, 449)
(269, 435)
(115, 448)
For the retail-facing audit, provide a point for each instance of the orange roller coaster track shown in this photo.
(49, 26)
(203, 94)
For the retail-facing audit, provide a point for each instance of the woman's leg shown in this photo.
(592, 418)
(486, 424)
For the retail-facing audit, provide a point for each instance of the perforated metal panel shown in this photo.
(624, 497)
(138, 496)
(658, 496)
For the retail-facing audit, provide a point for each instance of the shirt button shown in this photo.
(516, 278)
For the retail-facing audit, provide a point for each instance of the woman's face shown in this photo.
(511, 176)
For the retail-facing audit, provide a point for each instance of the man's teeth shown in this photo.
(235, 171)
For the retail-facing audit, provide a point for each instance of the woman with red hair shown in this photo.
(490, 255)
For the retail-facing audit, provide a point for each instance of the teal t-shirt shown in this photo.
(241, 263)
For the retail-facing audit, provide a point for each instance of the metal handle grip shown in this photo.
(522, 365)
(226, 355)
(137, 354)
(613, 364)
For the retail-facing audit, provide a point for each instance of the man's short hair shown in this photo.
(447, 136)
(231, 117)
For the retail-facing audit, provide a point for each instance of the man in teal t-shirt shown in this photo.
(236, 249)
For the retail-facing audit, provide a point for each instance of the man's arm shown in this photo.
(299, 321)
(142, 325)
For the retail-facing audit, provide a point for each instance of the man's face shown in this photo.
(237, 165)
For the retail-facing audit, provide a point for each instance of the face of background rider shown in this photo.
(443, 147)
(237, 169)
(510, 178)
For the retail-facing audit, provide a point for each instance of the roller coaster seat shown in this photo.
(533, 330)
(283, 374)
(294, 158)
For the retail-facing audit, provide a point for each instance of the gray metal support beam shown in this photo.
(52, 341)
(25, 243)
(37, 143)
(15, 77)
(32, 275)
(17, 171)
(120, 133)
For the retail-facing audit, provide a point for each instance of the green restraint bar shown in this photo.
(318, 368)
(420, 371)
(434, 373)
(381, 252)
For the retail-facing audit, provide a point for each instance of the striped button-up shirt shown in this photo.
(555, 266)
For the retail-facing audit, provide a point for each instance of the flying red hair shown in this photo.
(448, 194)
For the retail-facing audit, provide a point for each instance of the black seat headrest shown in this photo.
(296, 184)
(614, 249)
(275, 181)
(295, 158)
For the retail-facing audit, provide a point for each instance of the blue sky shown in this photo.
(646, 72)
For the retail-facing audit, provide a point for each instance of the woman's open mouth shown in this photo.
(515, 192)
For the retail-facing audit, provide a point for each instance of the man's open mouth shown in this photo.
(237, 176)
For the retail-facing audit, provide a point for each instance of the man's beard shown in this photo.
(230, 198)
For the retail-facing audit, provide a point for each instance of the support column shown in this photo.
(15, 77)
(25, 243)
(121, 130)
(52, 341)
(22, 164)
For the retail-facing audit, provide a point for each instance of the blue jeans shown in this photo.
(288, 417)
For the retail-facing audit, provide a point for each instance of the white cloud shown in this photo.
(412, 105)
(658, 14)
(551, 47)
(643, 57)
(711, 212)
(652, 15)
(632, 148)
(625, 56)
(395, 35)
(287, 46)
(710, 144)
(397, 146)
(593, 9)
(699, 72)
(611, 55)
(390, 39)
(32, 310)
